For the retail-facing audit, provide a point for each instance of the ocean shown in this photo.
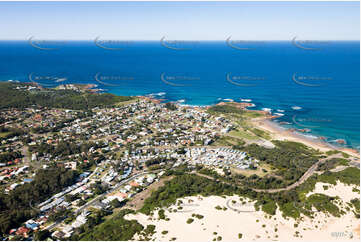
(314, 85)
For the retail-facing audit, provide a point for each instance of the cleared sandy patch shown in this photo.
(242, 218)
(343, 191)
(138, 200)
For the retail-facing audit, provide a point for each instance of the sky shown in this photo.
(180, 20)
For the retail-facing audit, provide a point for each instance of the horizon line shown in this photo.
(114, 39)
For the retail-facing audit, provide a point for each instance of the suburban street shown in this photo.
(90, 203)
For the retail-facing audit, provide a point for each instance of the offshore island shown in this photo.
(81, 165)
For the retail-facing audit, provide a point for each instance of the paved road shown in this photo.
(355, 164)
(341, 168)
(25, 153)
(53, 225)
(305, 176)
(110, 191)
(90, 203)
(259, 141)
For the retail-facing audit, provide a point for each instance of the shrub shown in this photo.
(190, 220)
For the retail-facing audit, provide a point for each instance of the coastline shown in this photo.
(267, 124)
(280, 133)
(224, 220)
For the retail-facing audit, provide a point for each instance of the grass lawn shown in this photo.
(249, 172)
(4, 134)
(261, 133)
(127, 102)
(251, 114)
(242, 134)
(227, 141)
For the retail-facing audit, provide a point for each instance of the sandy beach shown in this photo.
(235, 219)
(279, 133)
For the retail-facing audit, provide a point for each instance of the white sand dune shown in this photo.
(253, 225)
(343, 191)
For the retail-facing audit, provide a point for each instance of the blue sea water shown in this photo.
(323, 80)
